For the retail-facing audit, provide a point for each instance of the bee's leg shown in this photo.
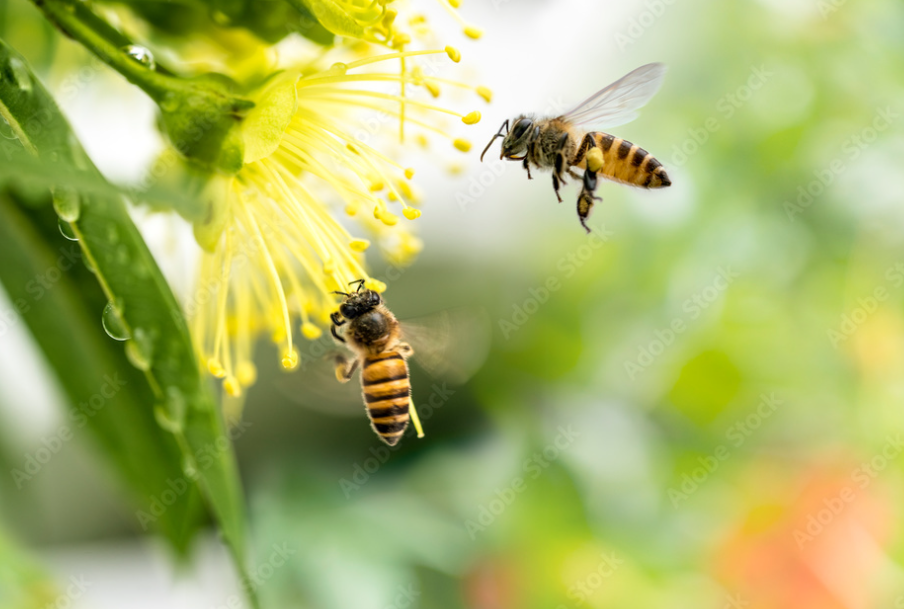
(586, 199)
(337, 320)
(527, 167)
(559, 164)
(345, 368)
(404, 350)
(557, 180)
(587, 143)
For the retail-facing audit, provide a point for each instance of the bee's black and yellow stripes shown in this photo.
(387, 394)
(625, 162)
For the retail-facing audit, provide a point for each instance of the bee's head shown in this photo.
(359, 302)
(515, 140)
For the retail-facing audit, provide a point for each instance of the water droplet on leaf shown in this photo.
(114, 325)
(67, 204)
(140, 350)
(20, 74)
(189, 468)
(66, 230)
(89, 264)
(140, 54)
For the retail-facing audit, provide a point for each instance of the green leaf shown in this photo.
(64, 316)
(159, 343)
(266, 123)
(331, 16)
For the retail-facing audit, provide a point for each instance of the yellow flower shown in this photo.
(275, 249)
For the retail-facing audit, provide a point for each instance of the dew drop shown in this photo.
(140, 350)
(189, 467)
(67, 204)
(89, 264)
(140, 54)
(113, 323)
(20, 74)
(164, 420)
(66, 230)
(337, 69)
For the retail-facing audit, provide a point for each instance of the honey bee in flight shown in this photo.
(450, 346)
(375, 336)
(563, 143)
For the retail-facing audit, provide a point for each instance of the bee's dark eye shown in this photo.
(520, 127)
(347, 311)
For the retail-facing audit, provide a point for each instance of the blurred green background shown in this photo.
(698, 405)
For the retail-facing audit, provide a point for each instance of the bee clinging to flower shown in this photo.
(562, 144)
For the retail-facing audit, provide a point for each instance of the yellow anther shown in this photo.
(389, 219)
(485, 93)
(455, 3)
(246, 373)
(392, 196)
(433, 88)
(359, 245)
(278, 335)
(400, 40)
(351, 210)
(473, 32)
(471, 118)
(290, 359)
(422, 140)
(463, 145)
(351, 148)
(453, 54)
(232, 387)
(409, 173)
(310, 331)
(595, 159)
(215, 368)
(376, 186)
(411, 213)
(375, 284)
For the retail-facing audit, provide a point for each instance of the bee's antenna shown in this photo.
(505, 126)
(360, 283)
(340, 293)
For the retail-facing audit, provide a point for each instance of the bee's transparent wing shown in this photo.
(618, 103)
(314, 384)
(450, 345)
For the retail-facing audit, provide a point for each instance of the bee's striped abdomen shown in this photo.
(629, 163)
(387, 394)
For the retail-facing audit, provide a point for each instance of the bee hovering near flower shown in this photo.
(451, 345)
(562, 143)
(375, 337)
